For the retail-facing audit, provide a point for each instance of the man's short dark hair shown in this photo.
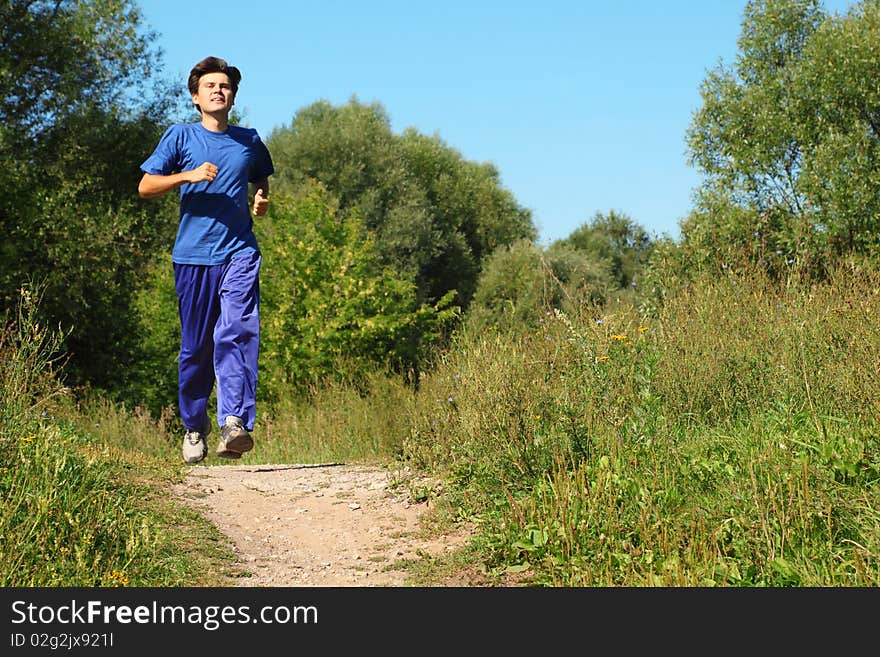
(213, 65)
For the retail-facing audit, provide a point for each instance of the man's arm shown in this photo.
(153, 184)
(261, 197)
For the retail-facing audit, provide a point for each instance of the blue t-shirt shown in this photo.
(215, 220)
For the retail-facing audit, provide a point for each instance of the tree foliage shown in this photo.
(71, 138)
(787, 138)
(615, 240)
(60, 57)
(331, 309)
(435, 215)
(520, 283)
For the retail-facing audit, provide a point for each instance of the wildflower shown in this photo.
(602, 359)
(620, 337)
(642, 329)
(778, 251)
(599, 322)
(118, 577)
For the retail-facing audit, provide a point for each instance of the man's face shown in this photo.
(215, 93)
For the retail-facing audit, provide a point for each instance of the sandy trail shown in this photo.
(314, 525)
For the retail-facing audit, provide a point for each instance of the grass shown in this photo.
(77, 513)
(335, 423)
(732, 438)
(78, 510)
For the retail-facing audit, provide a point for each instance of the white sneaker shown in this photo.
(234, 439)
(195, 447)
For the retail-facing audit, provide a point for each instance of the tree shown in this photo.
(332, 309)
(521, 282)
(435, 215)
(71, 137)
(837, 87)
(58, 57)
(788, 140)
(616, 240)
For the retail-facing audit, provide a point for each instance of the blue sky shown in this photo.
(581, 106)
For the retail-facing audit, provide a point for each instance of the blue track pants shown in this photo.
(219, 308)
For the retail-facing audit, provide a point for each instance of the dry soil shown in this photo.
(319, 525)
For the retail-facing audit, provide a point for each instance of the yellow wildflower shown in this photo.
(117, 577)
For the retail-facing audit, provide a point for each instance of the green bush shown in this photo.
(522, 282)
(329, 308)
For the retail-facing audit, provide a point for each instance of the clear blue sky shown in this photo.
(581, 105)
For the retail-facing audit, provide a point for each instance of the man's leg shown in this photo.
(237, 340)
(198, 307)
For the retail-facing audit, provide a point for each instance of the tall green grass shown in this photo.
(335, 422)
(29, 360)
(732, 439)
(78, 510)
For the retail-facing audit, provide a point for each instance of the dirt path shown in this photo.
(315, 525)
